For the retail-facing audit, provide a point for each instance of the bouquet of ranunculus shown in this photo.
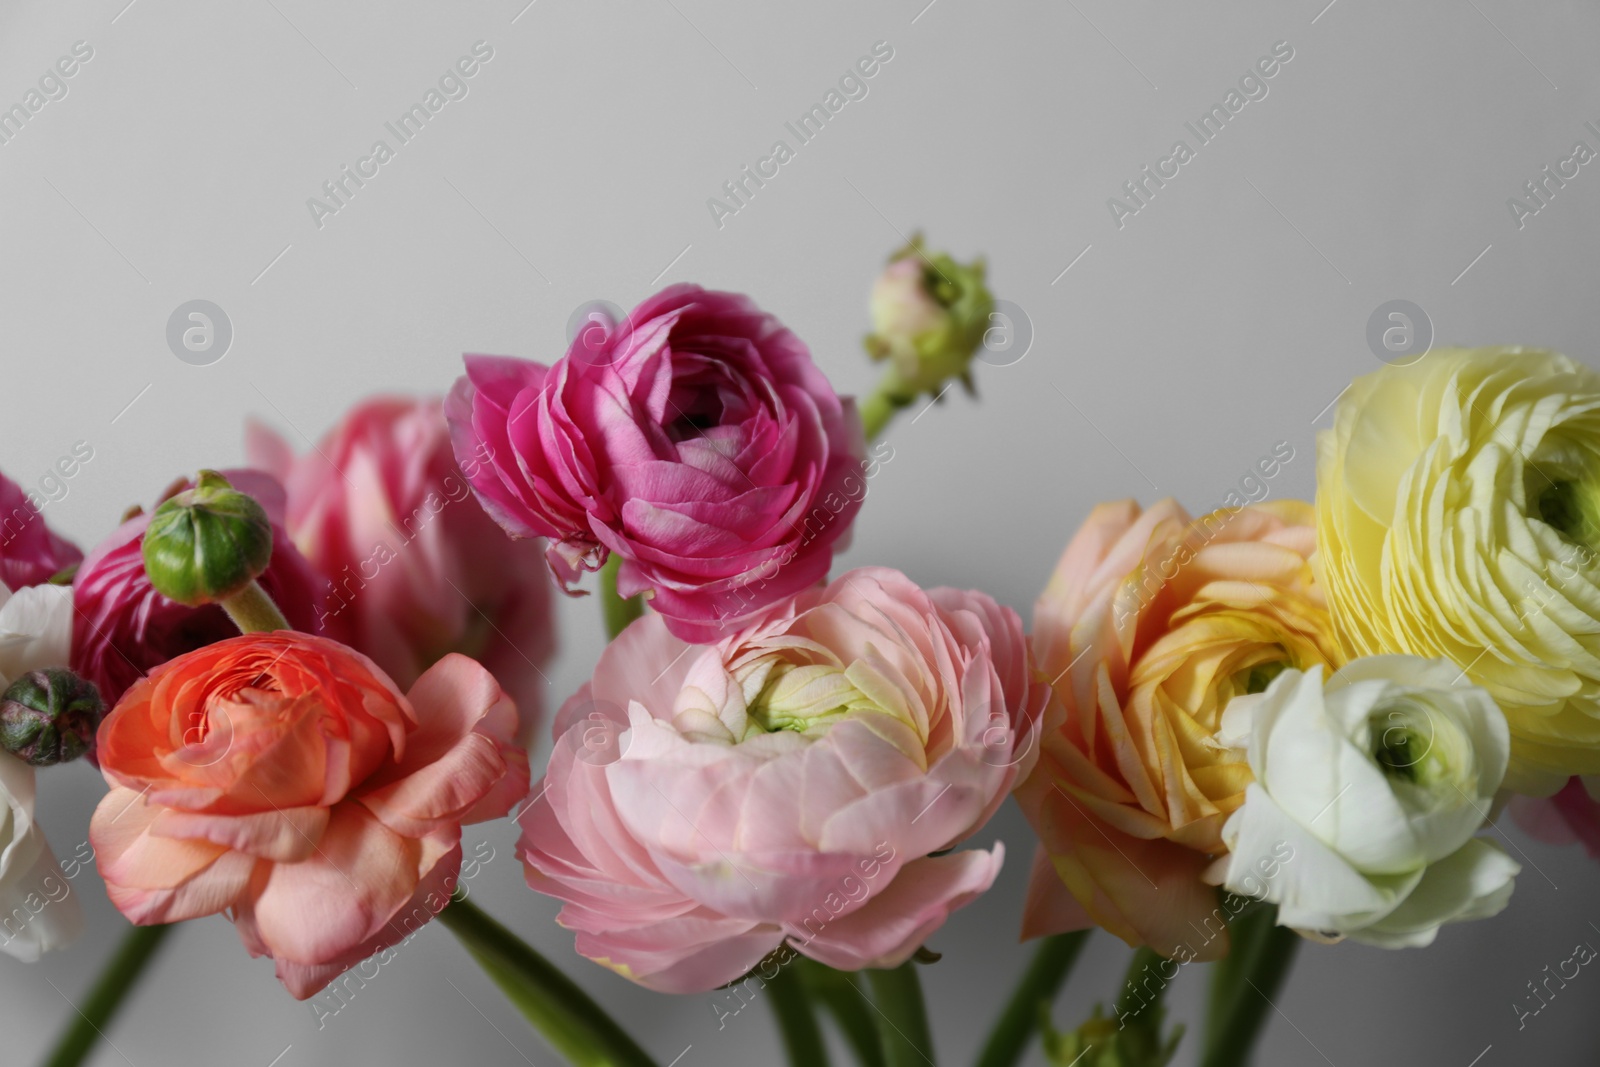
(1231, 733)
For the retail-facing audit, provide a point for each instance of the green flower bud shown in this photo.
(1131, 1037)
(50, 716)
(207, 543)
(929, 315)
(1103, 1042)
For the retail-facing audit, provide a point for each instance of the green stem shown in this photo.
(253, 611)
(1130, 1001)
(878, 409)
(1242, 991)
(617, 611)
(797, 1021)
(1246, 932)
(1045, 975)
(94, 1015)
(574, 1025)
(903, 1017)
(839, 994)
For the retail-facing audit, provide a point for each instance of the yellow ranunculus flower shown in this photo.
(1458, 515)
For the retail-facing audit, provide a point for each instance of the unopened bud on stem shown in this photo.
(50, 716)
(207, 545)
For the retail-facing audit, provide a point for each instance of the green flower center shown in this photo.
(1406, 744)
(1256, 679)
(1572, 509)
(1398, 752)
(802, 697)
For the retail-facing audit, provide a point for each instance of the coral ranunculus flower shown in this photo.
(282, 777)
(698, 441)
(1151, 623)
(797, 784)
(1458, 515)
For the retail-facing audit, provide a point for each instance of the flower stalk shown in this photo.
(617, 610)
(1244, 984)
(568, 1018)
(840, 995)
(797, 1019)
(253, 611)
(1046, 974)
(91, 1018)
(903, 1016)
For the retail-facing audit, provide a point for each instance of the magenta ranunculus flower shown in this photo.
(30, 552)
(790, 783)
(122, 627)
(1571, 815)
(418, 570)
(698, 441)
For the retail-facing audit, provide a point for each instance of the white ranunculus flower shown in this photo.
(35, 629)
(38, 910)
(1378, 781)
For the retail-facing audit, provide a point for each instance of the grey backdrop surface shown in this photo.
(1169, 353)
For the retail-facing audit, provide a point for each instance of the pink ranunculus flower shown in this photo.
(284, 779)
(122, 627)
(1571, 815)
(792, 783)
(418, 570)
(30, 552)
(698, 441)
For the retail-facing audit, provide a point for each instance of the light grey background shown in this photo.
(1224, 317)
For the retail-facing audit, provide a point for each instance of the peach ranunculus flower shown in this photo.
(283, 778)
(1151, 623)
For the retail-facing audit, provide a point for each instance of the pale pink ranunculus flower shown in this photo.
(285, 780)
(417, 570)
(697, 440)
(793, 782)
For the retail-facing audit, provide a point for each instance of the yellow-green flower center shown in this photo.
(1255, 679)
(802, 697)
(1572, 508)
(1406, 742)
